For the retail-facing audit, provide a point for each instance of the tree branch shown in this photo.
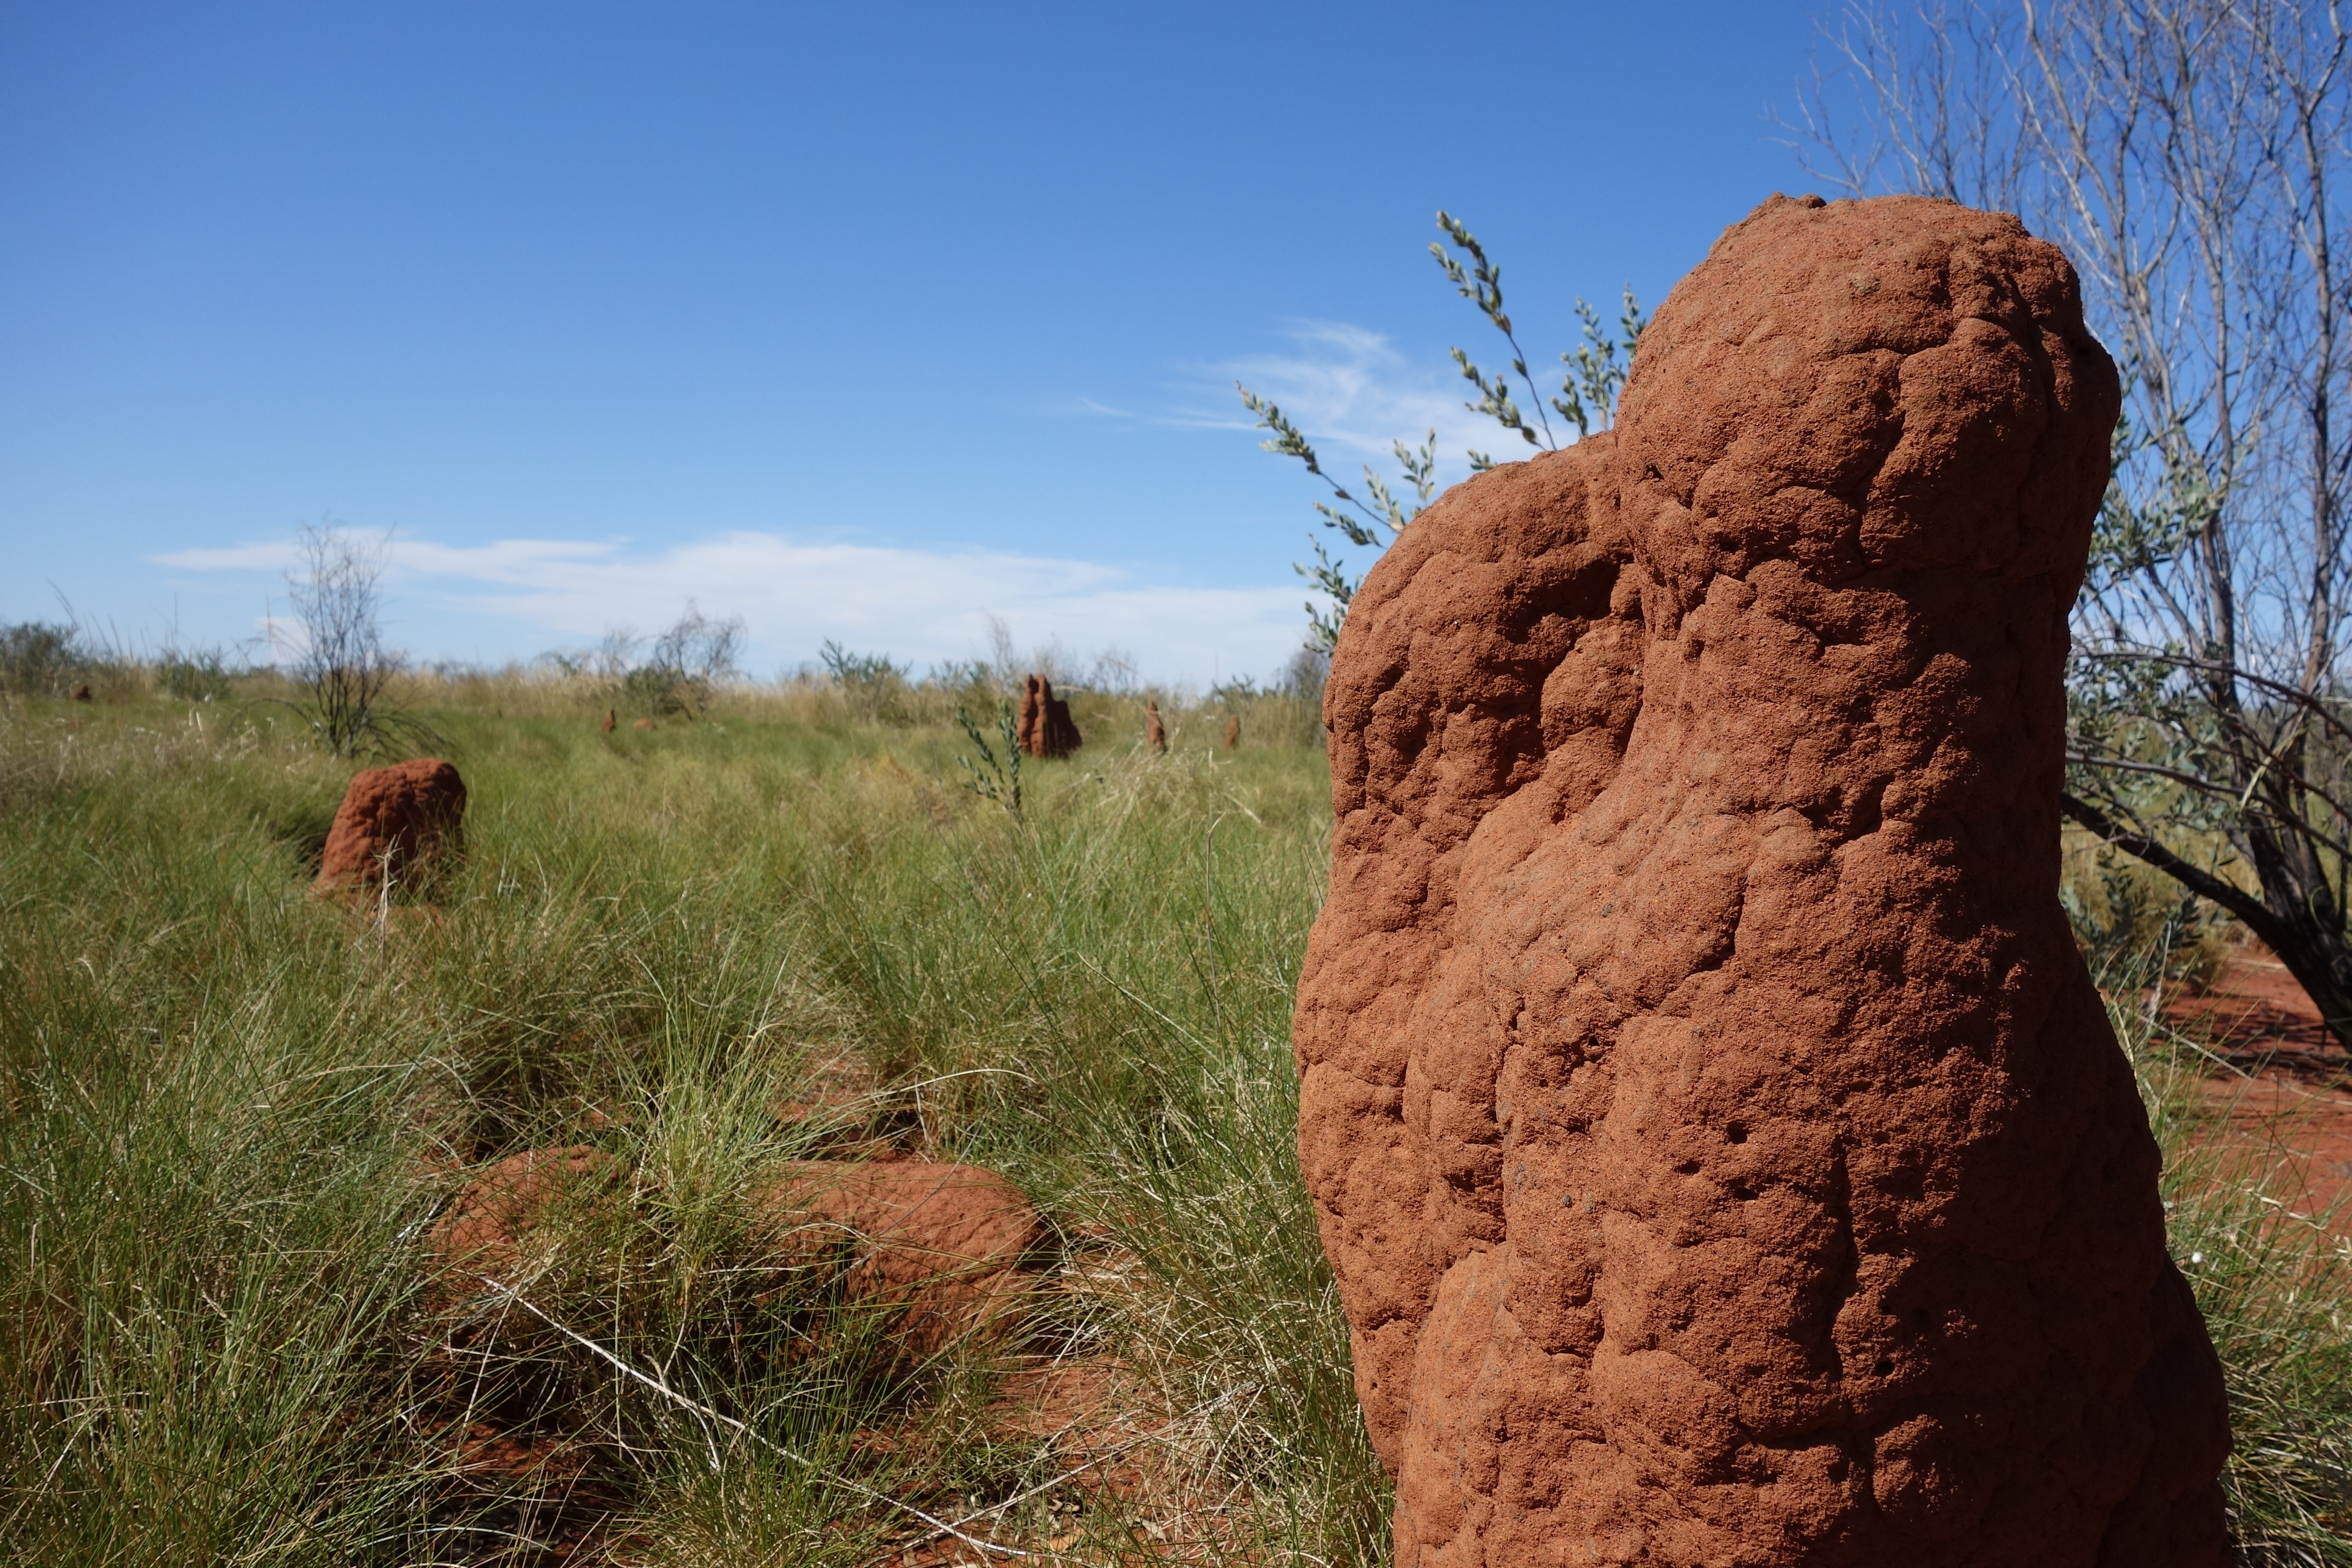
(2140, 847)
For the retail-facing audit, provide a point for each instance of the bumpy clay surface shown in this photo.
(940, 1249)
(484, 1228)
(1046, 728)
(407, 814)
(940, 1246)
(1723, 1152)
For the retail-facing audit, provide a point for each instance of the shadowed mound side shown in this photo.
(1724, 1153)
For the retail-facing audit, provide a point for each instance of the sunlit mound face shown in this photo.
(1911, 392)
(1720, 1146)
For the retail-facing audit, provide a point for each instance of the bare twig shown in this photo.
(1076, 1470)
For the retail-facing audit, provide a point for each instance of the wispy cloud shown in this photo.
(1346, 386)
(927, 605)
(1354, 395)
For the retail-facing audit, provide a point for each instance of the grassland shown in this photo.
(230, 1111)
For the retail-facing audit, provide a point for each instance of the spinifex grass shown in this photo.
(230, 1114)
(2273, 1276)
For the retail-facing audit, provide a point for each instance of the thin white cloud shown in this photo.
(272, 556)
(1344, 386)
(499, 561)
(925, 605)
(1354, 395)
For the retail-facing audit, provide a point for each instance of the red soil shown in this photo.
(2282, 1081)
(940, 1246)
(945, 1250)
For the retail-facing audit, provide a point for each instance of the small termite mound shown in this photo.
(395, 823)
(1046, 728)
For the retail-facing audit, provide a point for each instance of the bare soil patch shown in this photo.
(2280, 1082)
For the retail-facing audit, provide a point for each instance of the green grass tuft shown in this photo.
(230, 1114)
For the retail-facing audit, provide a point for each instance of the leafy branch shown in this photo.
(1587, 399)
(987, 777)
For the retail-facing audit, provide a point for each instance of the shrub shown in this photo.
(38, 658)
(199, 675)
(339, 661)
(687, 664)
(876, 688)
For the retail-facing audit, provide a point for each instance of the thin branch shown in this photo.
(2141, 847)
(1075, 1471)
(2303, 696)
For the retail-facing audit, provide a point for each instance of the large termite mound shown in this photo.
(1723, 1152)
(395, 821)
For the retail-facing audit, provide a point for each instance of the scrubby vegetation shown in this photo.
(230, 1114)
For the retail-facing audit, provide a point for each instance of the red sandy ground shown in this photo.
(2281, 1079)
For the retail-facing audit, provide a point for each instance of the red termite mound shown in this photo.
(1724, 1153)
(398, 818)
(1046, 728)
(939, 1250)
(940, 1246)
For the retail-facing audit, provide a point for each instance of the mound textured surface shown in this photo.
(404, 815)
(1723, 1152)
(940, 1246)
(939, 1250)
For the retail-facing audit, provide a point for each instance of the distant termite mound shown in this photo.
(1155, 733)
(1046, 728)
(395, 823)
(1722, 1148)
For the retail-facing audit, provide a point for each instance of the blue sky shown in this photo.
(861, 322)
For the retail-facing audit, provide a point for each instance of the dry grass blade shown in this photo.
(940, 1526)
